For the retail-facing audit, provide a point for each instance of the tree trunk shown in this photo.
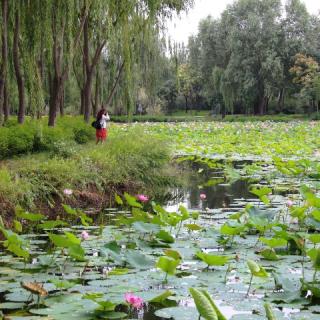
(281, 100)
(89, 69)
(113, 90)
(55, 99)
(62, 103)
(4, 66)
(87, 97)
(60, 72)
(6, 108)
(17, 69)
(82, 102)
(97, 94)
(186, 99)
(261, 106)
(88, 73)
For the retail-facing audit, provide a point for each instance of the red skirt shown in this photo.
(101, 133)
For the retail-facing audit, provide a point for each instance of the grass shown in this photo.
(134, 162)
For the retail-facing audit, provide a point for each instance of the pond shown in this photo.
(229, 231)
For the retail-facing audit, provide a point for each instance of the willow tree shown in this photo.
(17, 64)
(4, 107)
(129, 22)
(67, 22)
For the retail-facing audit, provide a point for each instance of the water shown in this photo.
(220, 193)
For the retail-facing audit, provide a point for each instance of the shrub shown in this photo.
(46, 137)
(82, 135)
(63, 149)
(4, 142)
(21, 140)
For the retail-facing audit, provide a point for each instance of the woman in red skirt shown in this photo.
(102, 118)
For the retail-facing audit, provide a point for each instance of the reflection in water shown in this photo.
(219, 193)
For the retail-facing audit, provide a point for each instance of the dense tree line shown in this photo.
(260, 56)
(60, 54)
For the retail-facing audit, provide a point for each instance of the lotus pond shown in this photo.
(239, 241)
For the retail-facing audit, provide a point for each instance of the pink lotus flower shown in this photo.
(84, 235)
(142, 198)
(203, 196)
(68, 192)
(289, 203)
(133, 300)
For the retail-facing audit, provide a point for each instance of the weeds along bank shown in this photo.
(132, 162)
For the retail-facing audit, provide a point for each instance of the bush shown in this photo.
(46, 137)
(82, 135)
(21, 140)
(63, 149)
(36, 136)
(4, 142)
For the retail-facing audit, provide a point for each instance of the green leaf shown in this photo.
(162, 297)
(165, 236)
(118, 272)
(146, 227)
(18, 250)
(60, 241)
(138, 260)
(131, 201)
(17, 226)
(256, 269)
(51, 224)
(69, 210)
(269, 254)
(269, 313)
(203, 305)
(173, 254)
(274, 242)
(314, 238)
(106, 305)
(113, 246)
(228, 230)
(195, 215)
(76, 252)
(184, 213)
(118, 200)
(33, 217)
(193, 227)
(314, 255)
(62, 284)
(167, 264)
(212, 260)
(219, 314)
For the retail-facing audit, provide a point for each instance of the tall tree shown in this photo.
(4, 106)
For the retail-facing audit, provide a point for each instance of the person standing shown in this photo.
(101, 131)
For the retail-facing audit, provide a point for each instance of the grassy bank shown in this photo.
(134, 162)
(35, 136)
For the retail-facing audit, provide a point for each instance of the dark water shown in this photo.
(220, 193)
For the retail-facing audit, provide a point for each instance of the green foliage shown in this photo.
(35, 136)
(212, 260)
(203, 304)
(126, 159)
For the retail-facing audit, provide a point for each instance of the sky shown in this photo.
(179, 29)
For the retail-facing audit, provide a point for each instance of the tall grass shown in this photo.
(133, 162)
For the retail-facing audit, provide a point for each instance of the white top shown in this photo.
(104, 120)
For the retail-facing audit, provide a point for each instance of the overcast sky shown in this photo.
(180, 29)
